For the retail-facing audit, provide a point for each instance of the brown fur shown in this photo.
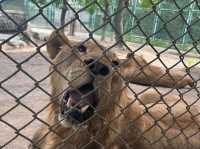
(137, 70)
(121, 121)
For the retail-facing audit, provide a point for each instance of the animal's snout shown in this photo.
(96, 67)
(76, 107)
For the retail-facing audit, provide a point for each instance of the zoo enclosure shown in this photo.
(92, 30)
(166, 9)
(153, 24)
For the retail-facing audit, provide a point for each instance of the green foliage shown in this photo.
(191, 61)
(147, 23)
(148, 3)
(93, 8)
(171, 28)
(58, 3)
(39, 1)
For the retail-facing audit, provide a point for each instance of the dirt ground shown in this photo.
(37, 67)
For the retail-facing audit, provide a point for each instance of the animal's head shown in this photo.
(84, 79)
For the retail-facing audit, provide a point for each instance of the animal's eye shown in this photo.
(115, 63)
(82, 48)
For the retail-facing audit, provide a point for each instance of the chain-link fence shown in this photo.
(100, 95)
(166, 10)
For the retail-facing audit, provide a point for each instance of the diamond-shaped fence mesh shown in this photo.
(114, 94)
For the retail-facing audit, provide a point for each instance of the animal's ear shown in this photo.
(55, 42)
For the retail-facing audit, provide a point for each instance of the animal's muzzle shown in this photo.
(96, 67)
(79, 105)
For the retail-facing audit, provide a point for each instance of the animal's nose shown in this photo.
(97, 67)
(89, 61)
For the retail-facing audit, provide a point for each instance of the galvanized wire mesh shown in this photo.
(109, 17)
